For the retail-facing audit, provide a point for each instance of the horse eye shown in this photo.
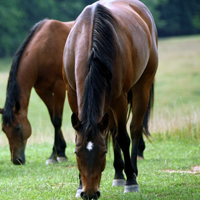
(105, 152)
(18, 127)
(76, 153)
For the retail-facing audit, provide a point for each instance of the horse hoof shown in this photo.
(118, 182)
(51, 161)
(78, 193)
(62, 159)
(131, 188)
(140, 158)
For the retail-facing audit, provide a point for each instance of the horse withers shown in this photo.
(110, 51)
(37, 63)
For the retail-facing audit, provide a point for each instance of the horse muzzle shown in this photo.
(95, 196)
(19, 157)
(18, 161)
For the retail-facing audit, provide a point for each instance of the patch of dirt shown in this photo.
(194, 170)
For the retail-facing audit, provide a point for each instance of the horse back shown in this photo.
(41, 62)
(136, 35)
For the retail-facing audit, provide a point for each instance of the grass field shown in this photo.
(175, 127)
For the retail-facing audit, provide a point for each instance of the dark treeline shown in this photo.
(172, 17)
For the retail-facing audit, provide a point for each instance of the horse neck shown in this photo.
(94, 86)
(93, 111)
(24, 98)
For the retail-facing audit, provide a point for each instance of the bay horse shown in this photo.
(37, 63)
(110, 51)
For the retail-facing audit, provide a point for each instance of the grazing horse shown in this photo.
(110, 51)
(37, 63)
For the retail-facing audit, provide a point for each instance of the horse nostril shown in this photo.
(18, 161)
(83, 194)
(98, 194)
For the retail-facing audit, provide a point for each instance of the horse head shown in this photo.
(17, 130)
(91, 156)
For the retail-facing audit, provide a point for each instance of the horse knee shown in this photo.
(57, 122)
(123, 141)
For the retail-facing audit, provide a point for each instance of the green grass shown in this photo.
(175, 128)
(35, 180)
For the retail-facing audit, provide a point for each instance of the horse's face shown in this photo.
(17, 133)
(91, 160)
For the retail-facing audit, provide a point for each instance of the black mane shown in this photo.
(99, 70)
(13, 90)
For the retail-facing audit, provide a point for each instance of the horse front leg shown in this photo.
(118, 163)
(140, 102)
(80, 187)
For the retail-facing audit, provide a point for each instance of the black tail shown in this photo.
(13, 90)
(129, 98)
(148, 112)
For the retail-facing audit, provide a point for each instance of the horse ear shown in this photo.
(75, 122)
(18, 127)
(103, 124)
(1, 111)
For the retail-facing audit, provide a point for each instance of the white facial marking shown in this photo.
(90, 146)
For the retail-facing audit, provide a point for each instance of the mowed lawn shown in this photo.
(170, 169)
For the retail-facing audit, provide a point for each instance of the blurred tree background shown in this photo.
(172, 17)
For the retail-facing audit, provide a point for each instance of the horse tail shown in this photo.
(129, 98)
(13, 90)
(100, 65)
(148, 112)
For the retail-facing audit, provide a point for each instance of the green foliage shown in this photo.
(172, 17)
(175, 17)
(17, 17)
(179, 17)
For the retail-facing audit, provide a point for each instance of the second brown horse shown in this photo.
(111, 51)
(38, 64)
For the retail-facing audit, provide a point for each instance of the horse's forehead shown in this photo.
(91, 143)
(90, 146)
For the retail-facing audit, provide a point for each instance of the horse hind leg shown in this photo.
(59, 142)
(124, 143)
(55, 108)
(142, 146)
(140, 103)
